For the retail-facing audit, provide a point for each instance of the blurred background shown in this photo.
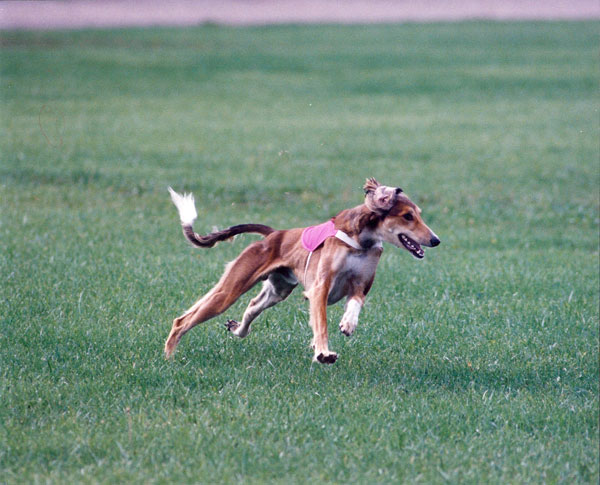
(106, 13)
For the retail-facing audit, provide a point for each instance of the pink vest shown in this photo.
(314, 236)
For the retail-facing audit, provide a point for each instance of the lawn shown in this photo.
(477, 365)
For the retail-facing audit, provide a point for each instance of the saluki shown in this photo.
(333, 260)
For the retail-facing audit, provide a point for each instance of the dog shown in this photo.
(333, 260)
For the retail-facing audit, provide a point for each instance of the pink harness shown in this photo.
(314, 236)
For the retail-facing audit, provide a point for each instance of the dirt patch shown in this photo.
(113, 13)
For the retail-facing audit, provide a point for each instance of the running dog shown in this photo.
(333, 260)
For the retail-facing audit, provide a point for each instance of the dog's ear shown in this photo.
(370, 185)
(380, 198)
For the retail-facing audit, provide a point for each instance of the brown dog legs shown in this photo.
(318, 321)
(240, 275)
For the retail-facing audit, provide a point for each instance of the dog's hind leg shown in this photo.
(275, 289)
(242, 274)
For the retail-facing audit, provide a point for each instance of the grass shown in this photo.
(479, 364)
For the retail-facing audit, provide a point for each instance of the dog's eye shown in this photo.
(408, 216)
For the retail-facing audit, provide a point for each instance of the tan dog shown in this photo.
(342, 266)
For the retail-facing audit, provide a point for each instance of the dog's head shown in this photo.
(400, 221)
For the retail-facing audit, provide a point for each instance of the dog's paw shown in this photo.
(237, 328)
(347, 327)
(326, 357)
(170, 345)
(232, 325)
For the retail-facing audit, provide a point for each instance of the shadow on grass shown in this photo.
(276, 362)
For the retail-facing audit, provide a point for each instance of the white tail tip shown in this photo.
(185, 207)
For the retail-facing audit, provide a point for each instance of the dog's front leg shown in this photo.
(350, 317)
(318, 323)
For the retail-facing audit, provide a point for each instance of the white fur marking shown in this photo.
(350, 318)
(185, 207)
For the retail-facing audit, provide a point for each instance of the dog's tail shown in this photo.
(187, 215)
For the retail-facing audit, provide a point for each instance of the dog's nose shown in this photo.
(434, 241)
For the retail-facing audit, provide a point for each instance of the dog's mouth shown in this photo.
(412, 246)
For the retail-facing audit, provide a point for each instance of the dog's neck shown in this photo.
(359, 223)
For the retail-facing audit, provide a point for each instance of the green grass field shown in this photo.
(477, 365)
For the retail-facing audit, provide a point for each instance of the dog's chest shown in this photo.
(356, 270)
(357, 264)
